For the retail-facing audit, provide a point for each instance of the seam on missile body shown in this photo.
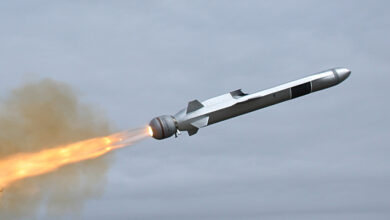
(175, 122)
(336, 76)
(162, 128)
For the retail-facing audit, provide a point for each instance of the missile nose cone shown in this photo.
(343, 73)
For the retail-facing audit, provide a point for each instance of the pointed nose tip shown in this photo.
(343, 73)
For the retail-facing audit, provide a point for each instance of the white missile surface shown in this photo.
(201, 114)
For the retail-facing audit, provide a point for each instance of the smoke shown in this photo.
(42, 115)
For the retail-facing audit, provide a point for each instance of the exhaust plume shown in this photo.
(23, 165)
(42, 128)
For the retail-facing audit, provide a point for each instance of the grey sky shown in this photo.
(321, 156)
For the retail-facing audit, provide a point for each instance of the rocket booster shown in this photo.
(201, 114)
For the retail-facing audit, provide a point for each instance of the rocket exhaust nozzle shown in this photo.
(162, 127)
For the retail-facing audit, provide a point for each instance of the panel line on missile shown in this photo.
(336, 75)
(300, 90)
(162, 127)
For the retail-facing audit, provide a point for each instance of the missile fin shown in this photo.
(193, 106)
(237, 93)
(202, 122)
(193, 131)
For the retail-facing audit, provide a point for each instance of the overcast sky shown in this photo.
(322, 156)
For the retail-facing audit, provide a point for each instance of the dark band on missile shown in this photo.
(300, 90)
(161, 125)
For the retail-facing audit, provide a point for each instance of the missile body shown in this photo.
(201, 114)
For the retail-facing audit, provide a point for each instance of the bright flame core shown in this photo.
(24, 165)
(150, 131)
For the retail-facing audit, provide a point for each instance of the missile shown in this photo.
(201, 114)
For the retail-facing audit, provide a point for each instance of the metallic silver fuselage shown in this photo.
(237, 103)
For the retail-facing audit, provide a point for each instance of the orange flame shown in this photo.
(24, 165)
